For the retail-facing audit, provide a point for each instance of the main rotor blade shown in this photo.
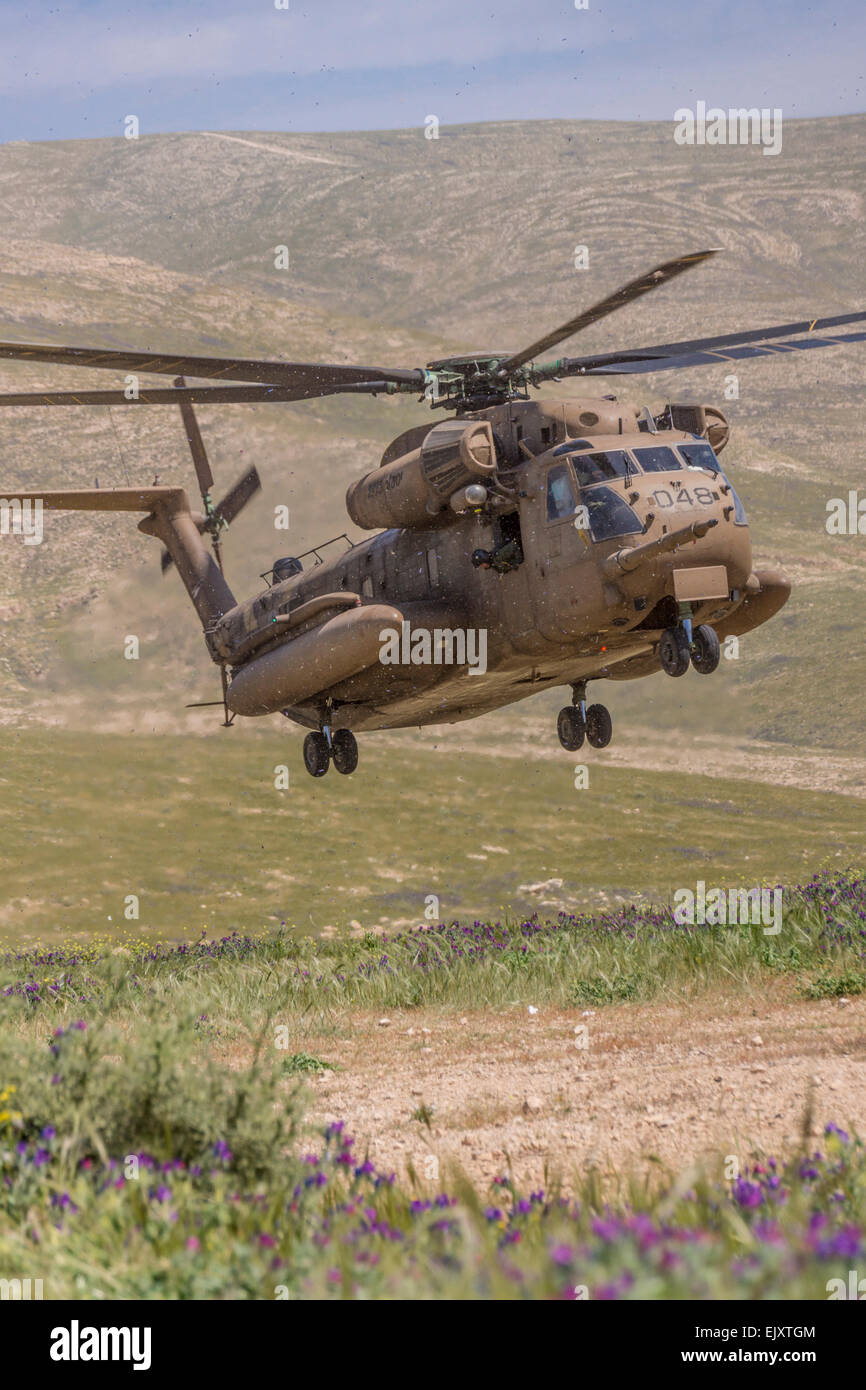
(735, 354)
(651, 280)
(312, 378)
(699, 350)
(238, 496)
(196, 444)
(195, 395)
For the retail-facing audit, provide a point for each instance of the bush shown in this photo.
(153, 1088)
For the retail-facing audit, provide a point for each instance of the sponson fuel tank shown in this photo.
(319, 658)
(413, 489)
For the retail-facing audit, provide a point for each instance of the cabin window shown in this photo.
(699, 456)
(433, 568)
(609, 514)
(546, 435)
(598, 468)
(560, 493)
(367, 587)
(658, 459)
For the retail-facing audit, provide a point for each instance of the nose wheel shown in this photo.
(674, 654)
(344, 751)
(678, 649)
(321, 749)
(706, 651)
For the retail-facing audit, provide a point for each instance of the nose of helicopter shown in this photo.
(691, 539)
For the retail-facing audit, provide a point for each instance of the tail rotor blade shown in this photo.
(238, 496)
(196, 444)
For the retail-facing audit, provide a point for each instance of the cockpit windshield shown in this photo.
(609, 514)
(699, 455)
(598, 468)
(658, 459)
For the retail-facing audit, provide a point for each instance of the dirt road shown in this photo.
(714, 1077)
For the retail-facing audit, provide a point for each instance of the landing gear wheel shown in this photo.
(599, 726)
(344, 751)
(674, 653)
(570, 728)
(705, 650)
(317, 754)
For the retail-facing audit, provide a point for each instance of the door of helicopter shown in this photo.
(561, 562)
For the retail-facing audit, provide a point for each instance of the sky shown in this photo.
(77, 70)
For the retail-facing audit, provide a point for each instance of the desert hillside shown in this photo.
(401, 248)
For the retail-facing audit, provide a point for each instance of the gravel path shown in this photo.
(713, 1077)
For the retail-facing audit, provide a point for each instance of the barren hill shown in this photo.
(401, 248)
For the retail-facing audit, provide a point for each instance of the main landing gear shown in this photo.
(576, 722)
(680, 647)
(321, 749)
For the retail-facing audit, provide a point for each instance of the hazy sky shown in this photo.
(72, 70)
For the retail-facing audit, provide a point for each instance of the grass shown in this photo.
(195, 830)
(835, 985)
(304, 1062)
(137, 1162)
(634, 953)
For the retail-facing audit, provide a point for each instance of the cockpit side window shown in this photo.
(699, 455)
(609, 514)
(740, 518)
(658, 459)
(598, 468)
(560, 493)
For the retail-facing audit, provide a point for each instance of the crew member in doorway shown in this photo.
(505, 557)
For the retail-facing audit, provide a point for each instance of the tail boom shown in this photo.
(170, 520)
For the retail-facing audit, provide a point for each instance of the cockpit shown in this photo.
(579, 478)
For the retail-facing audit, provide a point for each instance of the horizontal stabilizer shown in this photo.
(108, 499)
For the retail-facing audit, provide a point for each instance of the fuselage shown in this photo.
(580, 606)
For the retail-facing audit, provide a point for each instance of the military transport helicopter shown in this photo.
(562, 541)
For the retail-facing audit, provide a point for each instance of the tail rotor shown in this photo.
(216, 517)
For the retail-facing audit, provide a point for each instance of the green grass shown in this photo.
(636, 954)
(135, 1163)
(835, 984)
(195, 829)
(300, 1063)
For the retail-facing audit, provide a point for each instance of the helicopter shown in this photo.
(522, 542)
